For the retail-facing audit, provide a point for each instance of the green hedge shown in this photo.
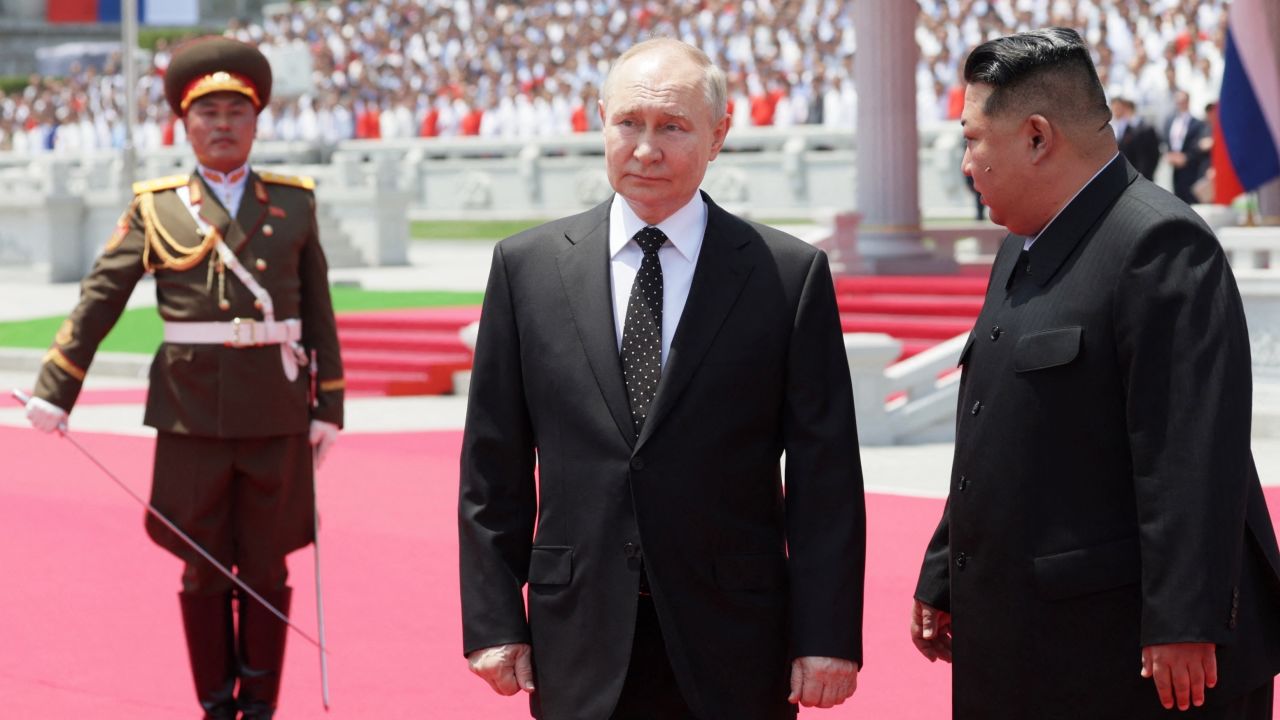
(10, 84)
(147, 36)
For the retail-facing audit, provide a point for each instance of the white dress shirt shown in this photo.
(679, 255)
(1178, 131)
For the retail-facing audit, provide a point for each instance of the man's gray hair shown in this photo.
(714, 83)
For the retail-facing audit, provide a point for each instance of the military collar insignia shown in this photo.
(230, 178)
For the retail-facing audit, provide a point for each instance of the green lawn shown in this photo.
(498, 229)
(468, 229)
(139, 330)
(352, 298)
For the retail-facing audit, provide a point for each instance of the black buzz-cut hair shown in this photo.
(1047, 71)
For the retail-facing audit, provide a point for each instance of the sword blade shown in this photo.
(23, 398)
(315, 548)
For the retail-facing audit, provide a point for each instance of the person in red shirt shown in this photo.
(470, 124)
(430, 126)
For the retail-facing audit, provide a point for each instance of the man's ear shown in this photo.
(1041, 137)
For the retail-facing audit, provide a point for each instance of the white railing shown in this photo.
(903, 402)
(767, 172)
(1252, 251)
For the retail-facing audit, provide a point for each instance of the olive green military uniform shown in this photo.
(250, 361)
(233, 465)
(203, 392)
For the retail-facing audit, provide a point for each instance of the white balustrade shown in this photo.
(902, 402)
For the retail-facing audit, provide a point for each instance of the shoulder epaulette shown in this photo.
(298, 181)
(157, 184)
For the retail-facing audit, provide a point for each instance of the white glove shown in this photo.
(323, 436)
(45, 416)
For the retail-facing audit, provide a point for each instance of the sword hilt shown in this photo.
(23, 398)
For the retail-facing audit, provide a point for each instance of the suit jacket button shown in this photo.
(629, 549)
(962, 560)
(962, 483)
(977, 407)
(637, 464)
(995, 333)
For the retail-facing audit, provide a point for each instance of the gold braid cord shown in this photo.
(172, 254)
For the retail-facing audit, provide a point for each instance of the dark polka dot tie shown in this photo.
(642, 331)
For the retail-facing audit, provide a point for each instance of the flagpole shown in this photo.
(128, 53)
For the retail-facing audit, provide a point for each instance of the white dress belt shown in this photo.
(241, 332)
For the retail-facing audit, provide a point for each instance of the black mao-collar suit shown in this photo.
(1103, 495)
(743, 578)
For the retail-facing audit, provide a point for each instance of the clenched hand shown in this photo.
(507, 668)
(822, 681)
(323, 436)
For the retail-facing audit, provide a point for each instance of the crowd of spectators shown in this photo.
(411, 68)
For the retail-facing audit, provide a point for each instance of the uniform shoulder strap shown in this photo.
(298, 181)
(168, 182)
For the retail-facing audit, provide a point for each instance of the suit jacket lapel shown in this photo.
(1078, 219)
(212, 212)
(1006, 262)
(584, 272)
(718, 279)
(175, 216)
(253, 210)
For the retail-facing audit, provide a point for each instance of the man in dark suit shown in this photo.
(1138, 141)
(654, 357)
(1105, 552)
(247, 388)
(1182, 134)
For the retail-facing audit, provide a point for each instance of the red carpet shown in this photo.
(91, 626)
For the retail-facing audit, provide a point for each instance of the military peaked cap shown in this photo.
(216, 64)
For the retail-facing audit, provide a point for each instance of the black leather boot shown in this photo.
(211, 648)
(262, 639)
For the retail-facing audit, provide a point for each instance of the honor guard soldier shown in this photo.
(245, 392)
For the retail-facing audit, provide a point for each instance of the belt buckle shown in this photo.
(238, 323)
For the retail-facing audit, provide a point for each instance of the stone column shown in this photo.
(1269, 204)
(887, 148)
(68, 257)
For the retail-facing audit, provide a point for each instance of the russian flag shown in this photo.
(150, 12)
(1249, 108)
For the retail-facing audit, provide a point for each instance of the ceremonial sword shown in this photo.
(62, 430)
(315, 549)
